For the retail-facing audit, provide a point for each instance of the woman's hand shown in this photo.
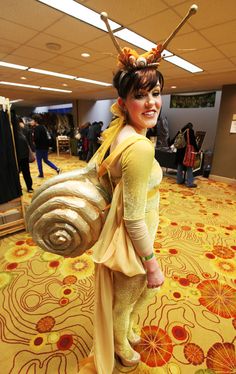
(155, 277)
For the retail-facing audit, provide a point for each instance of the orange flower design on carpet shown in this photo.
(223, 252)
(156, 346)
(194, 354)
(45, 324)
(218, 298)
(221, 358)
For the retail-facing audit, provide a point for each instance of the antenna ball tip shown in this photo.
(104, 15)
(194, 9)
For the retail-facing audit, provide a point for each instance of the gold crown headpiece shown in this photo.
(129, 59)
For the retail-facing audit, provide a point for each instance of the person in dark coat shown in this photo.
(22, 152)
(184, 173)
(94, 132)
(84, 140)
(41, 142)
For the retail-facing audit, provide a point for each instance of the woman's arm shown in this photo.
(137, 164)
(142, 243)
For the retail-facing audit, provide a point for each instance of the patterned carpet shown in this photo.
(46, 301)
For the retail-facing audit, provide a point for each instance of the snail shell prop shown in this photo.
(68, 211)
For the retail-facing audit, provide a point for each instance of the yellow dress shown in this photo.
(114, 252)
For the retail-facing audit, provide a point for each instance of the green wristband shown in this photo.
(149, 257)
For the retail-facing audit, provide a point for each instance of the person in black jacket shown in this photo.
(41, 142)
(94, 132)
(22, 152)
(185, 174)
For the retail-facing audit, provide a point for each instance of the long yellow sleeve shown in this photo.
(137, 161)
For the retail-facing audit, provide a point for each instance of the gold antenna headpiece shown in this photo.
(129, 59)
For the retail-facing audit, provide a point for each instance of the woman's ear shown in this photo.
(121, 104)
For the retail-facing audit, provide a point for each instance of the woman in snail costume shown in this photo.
(126, 269)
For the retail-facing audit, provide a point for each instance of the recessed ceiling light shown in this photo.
(64, 84)
(173, 87)
(53, 46)
(85, 55)
(23, 78)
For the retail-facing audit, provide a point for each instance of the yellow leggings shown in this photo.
(130, 295)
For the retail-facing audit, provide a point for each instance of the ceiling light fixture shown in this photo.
(81, 12)
(93, 82)
(86, 55)
(54, 89)
(53, 46)
(15, 101)
(183, 64)
(23, 78)
(13, 66)
(53, 73)
(32, 86)
(19, 84)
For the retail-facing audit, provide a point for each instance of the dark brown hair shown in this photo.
(37, 118)
(132, 81)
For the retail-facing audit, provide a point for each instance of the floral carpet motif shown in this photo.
(46, 314)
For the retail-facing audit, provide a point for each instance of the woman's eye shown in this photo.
(138, 96)
(156, 93)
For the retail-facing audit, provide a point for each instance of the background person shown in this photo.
(41, 142)
(22, 152)
(184, 173)
(93, 134)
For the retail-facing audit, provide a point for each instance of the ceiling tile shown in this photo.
(126, 12)
(158, 27)
(218, 65)
(229, 49)
(206, 54)
(7, 46)
(219, 34)
(73, 30)
(29, 52)
(210, 12)
(20, 60)
(30, 13)
(41, 40)
(187, 42)
(16, 33)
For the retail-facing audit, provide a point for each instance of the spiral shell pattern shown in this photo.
(68, 211)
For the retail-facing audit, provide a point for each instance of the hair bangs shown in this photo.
(145, 79)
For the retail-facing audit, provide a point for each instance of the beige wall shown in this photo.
(90, 111)
(224, 157)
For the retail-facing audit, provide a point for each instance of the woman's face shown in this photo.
(143, 108)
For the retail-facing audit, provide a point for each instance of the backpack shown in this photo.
(180, 141)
